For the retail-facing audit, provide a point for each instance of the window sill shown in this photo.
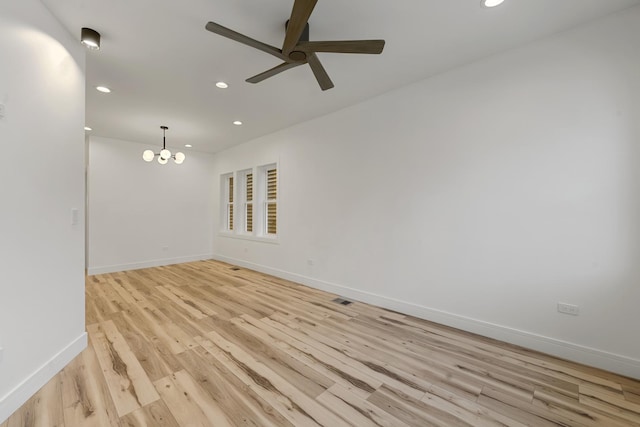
(273, 240)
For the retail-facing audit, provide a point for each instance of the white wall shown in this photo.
(479, 198)
(146, 214)
(42, 180)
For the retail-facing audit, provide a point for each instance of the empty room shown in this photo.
(320, 213)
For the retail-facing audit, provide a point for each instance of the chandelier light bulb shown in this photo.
(148, 155)
(179, 158)
(162, 161)
(165, 154)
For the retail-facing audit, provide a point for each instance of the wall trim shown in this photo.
(14, 399)
(146, 264)
(612, 362)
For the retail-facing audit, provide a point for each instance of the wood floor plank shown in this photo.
(112, 298)
(349, 404)
(482, 368)
(516, 412)
(157, 362)
(190, 309)
(233, 307)
(323, 374)
(163, 328)
(367, 367)
(573, 410)
(289, 401)
(189, 403)
(508, 353)
(411, 411)
(391, 374)
(155, 414)
(50, 412)
(615, 411)
(190, 325)
(209, 344)
(463, 413)
(129, 385)
(43, 410)
(240, 403)
(528, 413)
(391, 349)
(632, 396)
(486, 415)
(130, 284)
(613, 398)
(101, 305)
(297, 373)
(202, 305)
(318, 309)
(123, 293)
(349, 414)
(203, 298)
(182, 407)
(337, 370)
(85, 394)
(274, 304)
(91, 312)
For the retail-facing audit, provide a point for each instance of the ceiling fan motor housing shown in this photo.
(297, 55)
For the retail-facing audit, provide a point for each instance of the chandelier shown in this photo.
(164, 155)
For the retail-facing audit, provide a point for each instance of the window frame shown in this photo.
(259, 202)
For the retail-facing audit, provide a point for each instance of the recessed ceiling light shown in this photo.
(87, 128)
(103, 89)
(237, 123)
(491, 3)
(90, 38)
(222, 85)
(188, 145)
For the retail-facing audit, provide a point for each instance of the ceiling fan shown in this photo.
(297, 49)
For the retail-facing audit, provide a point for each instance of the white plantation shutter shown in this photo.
(271, 203)
(248, 210)
(230, 203)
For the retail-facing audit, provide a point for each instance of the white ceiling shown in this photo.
(162, 64)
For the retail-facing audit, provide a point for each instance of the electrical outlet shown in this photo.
(2, 111)
(571, 309)
(310, 262)
(1, 351)
(165, 248)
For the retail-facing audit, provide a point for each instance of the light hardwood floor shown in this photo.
(207, 344)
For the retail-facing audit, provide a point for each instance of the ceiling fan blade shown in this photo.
(318, 70)
(241, 38)
(299, 16)
(273, 71)
(343, 46)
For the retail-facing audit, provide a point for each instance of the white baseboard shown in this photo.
(145, 264)
(13, 400)
(619, 364)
